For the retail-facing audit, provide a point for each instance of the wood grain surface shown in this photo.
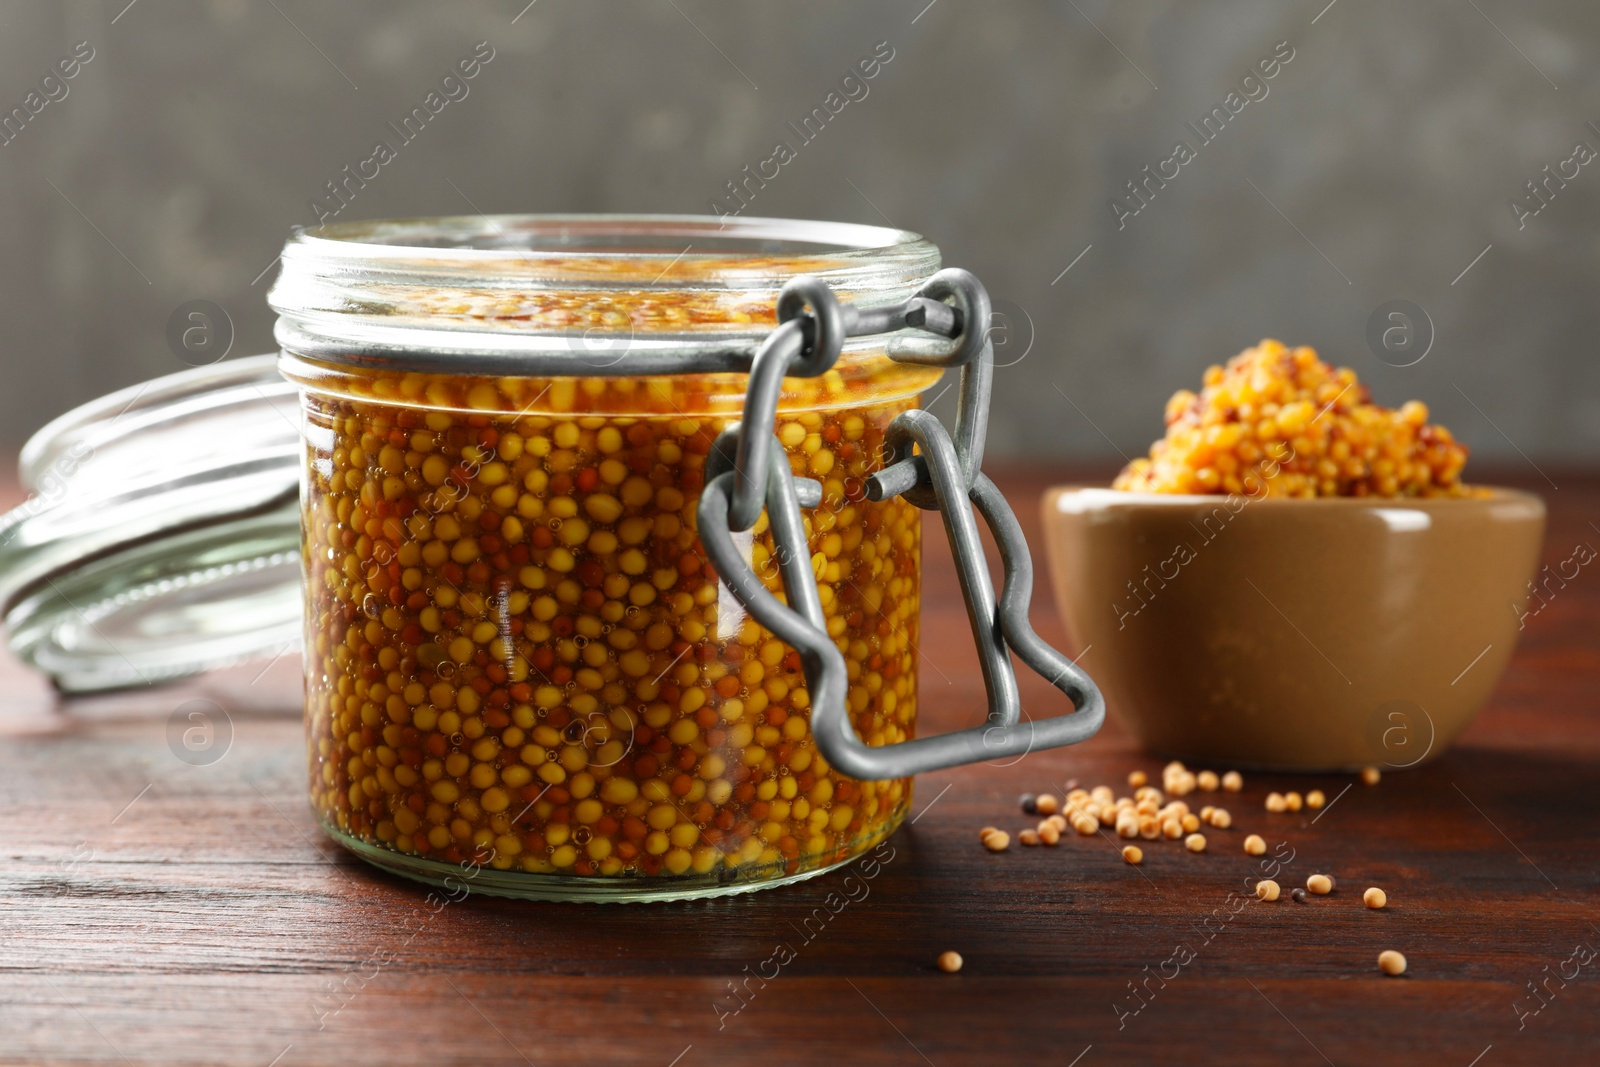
(157, 912)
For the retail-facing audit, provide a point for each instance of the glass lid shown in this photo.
(161, 534)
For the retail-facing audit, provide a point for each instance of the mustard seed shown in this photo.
(949, 962)
(998, 841)
(1207, 781)
(1293, 801)
(1195, 842)
(1189, 822)
(1297, 895)
(1029, 804)
(1028, 837)
(1221, 819)
(1375, 898)
(1267, 890)
(1370, 775)
(1086, 825)
(1320, 884)
(1255, 845)
(1171, 828)
(1276, 802)
(1059, 821)
(986, 831)
(1205, 813)
(1049, 833)
(1133, 854)
(1046, 804)
(1315, 799)
(1232, 782)
(1391, 962)
(1137, 779)
(1149, 827)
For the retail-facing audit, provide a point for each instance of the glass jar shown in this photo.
(522, 671)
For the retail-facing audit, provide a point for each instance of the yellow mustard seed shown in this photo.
(1375, 898)
(1137, 779)
(1391, 962)
(1028, 837)
(1276, 802)
(998, 841)
(1207, 781)
(1232, 782)
(1315, 800)
(1267, 890)
(1293, 801)
(1046, 804)
(1133, 854)
(1049, 833)
(1320, 884)
(1255, 845)
(1195, 842)
(1370, 775)
(1221, 819)
(950, 962)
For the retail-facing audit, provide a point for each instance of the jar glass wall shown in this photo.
(522, 673)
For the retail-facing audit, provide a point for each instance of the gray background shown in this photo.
(1391, 142)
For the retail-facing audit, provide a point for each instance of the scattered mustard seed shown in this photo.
(1232, 782)
(1207, 781)
(1029, 804)
(1049, 833)
(1275, 802)
(1133, 854)
(1221, 819)
(998, 841)
(949, 962)
(1293, 801)
(1046, 804)
(1137, 779)
(1028, 837)
(1315, 799)
(1391, 962)
(1195, 842)
(1255, 845)
(1320, 884)
(1267, 890)
(1370, 775)
(1375, 898)
(1190, 823)
(1297, 895)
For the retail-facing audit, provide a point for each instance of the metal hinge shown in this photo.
(932, 469)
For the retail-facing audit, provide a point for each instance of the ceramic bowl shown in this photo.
(1308, 635)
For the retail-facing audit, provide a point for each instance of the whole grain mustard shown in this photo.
(1279, 421)
(519, 655)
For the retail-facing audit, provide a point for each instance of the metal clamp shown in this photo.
(747, 471)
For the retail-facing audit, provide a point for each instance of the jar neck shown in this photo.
(571, 295)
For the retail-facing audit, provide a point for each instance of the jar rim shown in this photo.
(611, 249)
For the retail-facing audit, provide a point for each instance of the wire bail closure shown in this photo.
(747, 472)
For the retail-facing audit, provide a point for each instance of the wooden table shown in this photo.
(155, 912)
